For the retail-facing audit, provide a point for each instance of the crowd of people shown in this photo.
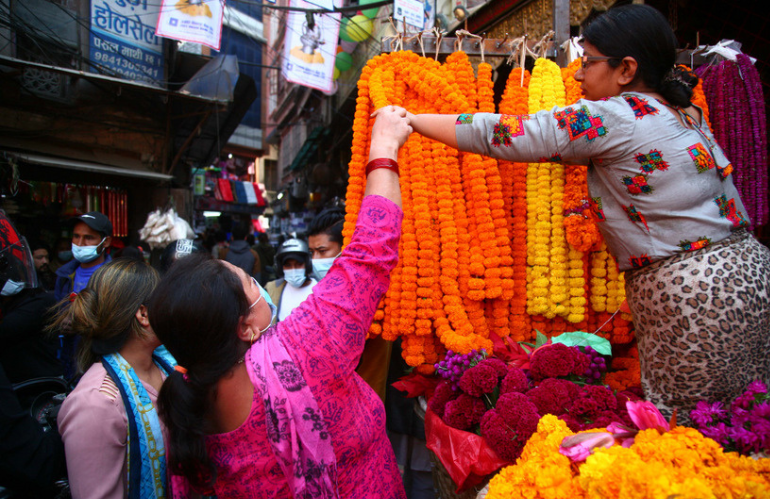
(210, 377)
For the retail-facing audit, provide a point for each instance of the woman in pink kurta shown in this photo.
(279, 411)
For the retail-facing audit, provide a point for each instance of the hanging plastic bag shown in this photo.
(467, 457)
(162, 228)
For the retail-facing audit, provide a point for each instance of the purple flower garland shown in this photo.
(737, 114)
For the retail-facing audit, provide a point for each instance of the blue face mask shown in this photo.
(85, 254)
(322, 265)
(264, 295)
(295, 277)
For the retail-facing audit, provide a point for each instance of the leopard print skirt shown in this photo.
(702, 322)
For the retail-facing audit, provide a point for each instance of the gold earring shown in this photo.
(253, 334)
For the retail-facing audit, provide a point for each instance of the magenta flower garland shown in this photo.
(737, 111)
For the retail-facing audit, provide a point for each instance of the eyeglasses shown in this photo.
(586, 59)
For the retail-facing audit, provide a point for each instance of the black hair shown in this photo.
(130, 252)
(36, 244)
(104, 313)
(195, 311)
(330, 222)
(179, 249)
(642, 32)
(239, 233)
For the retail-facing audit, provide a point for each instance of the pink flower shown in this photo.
(645, 416)
(622, 434)
(579, 447)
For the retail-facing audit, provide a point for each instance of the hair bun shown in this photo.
(677, 86)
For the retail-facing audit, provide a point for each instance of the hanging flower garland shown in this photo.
(515, 102)
(547, 292)
(464, 251)
(738, 121)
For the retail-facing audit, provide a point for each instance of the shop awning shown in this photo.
(307, 152)
(89, 167)
(196, 127)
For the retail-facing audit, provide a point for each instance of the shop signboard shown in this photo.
(411, 11)
(311, 47)
(123, 40)
(191, 22)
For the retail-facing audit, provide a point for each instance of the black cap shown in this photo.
(97, 221)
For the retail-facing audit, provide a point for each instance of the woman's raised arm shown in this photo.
(390, 131)
(440, 127)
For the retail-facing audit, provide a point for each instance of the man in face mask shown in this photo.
(294, 283)
(325, 239)
(91, 236)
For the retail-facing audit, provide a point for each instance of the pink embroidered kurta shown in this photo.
(325, 338)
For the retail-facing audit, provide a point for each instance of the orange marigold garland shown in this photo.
(515, 102)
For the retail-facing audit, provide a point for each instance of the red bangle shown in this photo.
(374, 164)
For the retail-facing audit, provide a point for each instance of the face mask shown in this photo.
(85, 254)
(264, 295)
(295, 277)
(65, 256)
(11, 288)
(322, 265)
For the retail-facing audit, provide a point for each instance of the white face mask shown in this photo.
(295, 277)
(11, 288)
(85, 254)
(322, 265)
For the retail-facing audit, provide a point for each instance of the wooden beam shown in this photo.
(493, 47)
(187, 142)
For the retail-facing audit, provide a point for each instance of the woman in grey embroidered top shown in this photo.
(662, 192)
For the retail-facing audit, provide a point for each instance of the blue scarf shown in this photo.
(145, 450)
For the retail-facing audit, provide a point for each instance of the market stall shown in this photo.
(503, 277)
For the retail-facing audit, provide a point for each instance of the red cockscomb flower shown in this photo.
(478, 380)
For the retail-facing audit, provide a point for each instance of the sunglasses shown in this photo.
(587, 59)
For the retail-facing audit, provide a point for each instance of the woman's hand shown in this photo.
(390, 131)
(440, 127)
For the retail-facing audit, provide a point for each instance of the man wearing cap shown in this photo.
(91, 237)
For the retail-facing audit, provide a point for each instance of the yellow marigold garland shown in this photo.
(540, 472)
(547, 293)
(681, 462)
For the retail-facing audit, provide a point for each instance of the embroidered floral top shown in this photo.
(657, 187)
(325, 338)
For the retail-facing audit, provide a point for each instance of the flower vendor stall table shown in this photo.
(495, 255)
